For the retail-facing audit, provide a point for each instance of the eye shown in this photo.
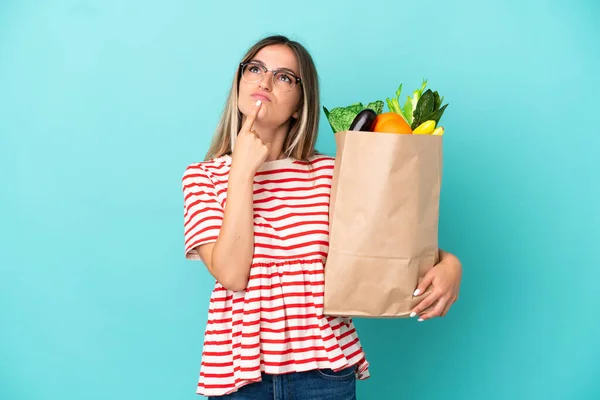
(286, 78)
(254, 69)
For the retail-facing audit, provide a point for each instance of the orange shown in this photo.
(391, 122)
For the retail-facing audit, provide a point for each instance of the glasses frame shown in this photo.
(265, 70)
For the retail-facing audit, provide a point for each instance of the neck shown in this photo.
(274, 138)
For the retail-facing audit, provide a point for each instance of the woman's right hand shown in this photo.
(230, 257)
(249, 152)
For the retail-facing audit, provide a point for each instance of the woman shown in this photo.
(256, 214)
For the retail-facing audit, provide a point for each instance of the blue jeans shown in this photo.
(323, 384)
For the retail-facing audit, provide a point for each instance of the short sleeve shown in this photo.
(202, 212)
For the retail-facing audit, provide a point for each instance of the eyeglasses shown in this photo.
(283, 80)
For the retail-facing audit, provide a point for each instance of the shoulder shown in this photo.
(322, 165)
(205, 171)
(321, 160)
(317, 166)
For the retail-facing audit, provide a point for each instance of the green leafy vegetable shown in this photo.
(428, 108)
(340, 118)
(407, 110)
(411, 102)
(437, 102)
(326, 111)
(376, 106)
(355, 107)
(394, 103)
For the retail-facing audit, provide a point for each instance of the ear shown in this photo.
(296, 114)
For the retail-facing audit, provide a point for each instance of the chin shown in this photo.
(246, 107)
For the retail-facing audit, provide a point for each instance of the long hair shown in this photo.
(302, 136)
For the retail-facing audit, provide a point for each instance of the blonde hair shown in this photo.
(302, 136)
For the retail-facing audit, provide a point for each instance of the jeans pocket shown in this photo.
(345, 374)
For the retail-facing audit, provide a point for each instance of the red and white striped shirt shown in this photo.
(277, 324)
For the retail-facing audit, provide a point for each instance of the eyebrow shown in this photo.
(280, 69)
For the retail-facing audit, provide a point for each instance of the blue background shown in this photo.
(104, 103)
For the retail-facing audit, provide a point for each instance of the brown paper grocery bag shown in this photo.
(384, 213)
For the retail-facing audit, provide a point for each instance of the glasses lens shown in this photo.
(252, 72)
(284, 81)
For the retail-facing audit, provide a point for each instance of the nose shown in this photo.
(266, 82)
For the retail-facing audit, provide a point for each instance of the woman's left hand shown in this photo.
(445, 278)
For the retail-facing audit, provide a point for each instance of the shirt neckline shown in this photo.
(267, 164)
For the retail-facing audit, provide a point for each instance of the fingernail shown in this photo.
(412, 314)
(258, 103)
(416, 293)
(420, 320)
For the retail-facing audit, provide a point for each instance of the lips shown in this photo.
(260, 96)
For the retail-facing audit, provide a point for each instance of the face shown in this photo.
(278, 105)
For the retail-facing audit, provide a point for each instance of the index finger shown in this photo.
(252, 116)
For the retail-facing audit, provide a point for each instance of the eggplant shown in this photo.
(364, 120)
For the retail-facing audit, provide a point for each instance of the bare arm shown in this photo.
(230, 257)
